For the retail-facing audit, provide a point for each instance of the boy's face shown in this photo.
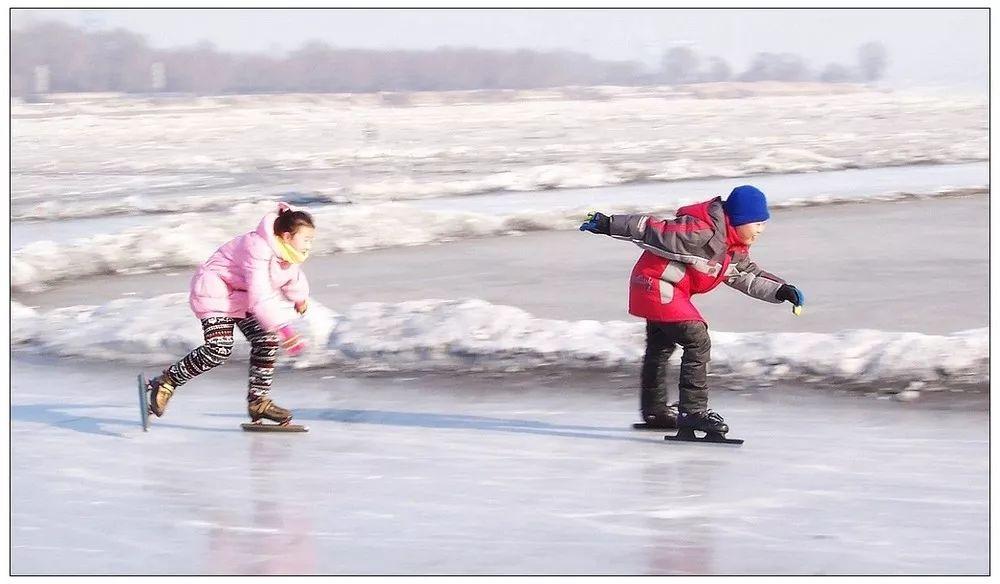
(749, 232)
(302, 240)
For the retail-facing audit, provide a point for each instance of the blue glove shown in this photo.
(790, 293)
(597, 222)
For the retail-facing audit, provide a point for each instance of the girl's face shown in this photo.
(749, 232)
(301, 240)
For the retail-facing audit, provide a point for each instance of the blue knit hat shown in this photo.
(746, 204)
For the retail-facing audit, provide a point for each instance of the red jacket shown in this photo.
(689, 255)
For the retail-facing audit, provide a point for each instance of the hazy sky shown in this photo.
(940, 46)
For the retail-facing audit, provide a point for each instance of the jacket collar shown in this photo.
(725, 238)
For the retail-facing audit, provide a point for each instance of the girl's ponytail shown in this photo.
(289, 221)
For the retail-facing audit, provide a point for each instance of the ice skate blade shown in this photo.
(690, 436)
(262, 427)
(645, 426)
(143, 403)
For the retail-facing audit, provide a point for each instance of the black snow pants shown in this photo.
(661, 340)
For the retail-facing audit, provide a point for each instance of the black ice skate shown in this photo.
(659, 420)
(709, 422)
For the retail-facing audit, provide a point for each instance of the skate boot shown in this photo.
(665, 419)
(263, 408)
(706, 421)
(160, 391)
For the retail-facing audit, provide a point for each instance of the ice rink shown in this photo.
(487, 475)
(529, 473)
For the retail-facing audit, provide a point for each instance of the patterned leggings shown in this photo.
(219, 346)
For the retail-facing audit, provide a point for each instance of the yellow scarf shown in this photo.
(289, 253)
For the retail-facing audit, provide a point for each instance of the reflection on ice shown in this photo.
(446, 475)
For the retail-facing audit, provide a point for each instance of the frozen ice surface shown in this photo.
(484, 475)
(489, 474)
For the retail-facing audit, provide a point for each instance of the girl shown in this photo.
(243, 284)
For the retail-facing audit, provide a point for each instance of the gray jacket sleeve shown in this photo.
(748, 278)
(682, 238)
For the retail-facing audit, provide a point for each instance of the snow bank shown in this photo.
(430, 335)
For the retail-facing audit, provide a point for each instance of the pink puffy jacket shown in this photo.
(247, 275)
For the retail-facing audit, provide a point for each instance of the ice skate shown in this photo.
(665, 419)
(159, 392)
(709, 422)
(262, 409)
(153, 398)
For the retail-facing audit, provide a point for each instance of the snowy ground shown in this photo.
(878, 310)
(465, 212)
(486, 475)
(138, 156)
(73, 248)
(533, 474)
(852, 261)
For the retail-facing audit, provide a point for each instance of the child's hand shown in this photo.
(597, 222)
(790, 293)
(301, 307)
(291, 342)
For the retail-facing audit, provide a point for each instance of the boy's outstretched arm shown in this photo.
(680, 238)
(750, 279)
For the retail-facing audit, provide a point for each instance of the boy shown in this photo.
(706, 244)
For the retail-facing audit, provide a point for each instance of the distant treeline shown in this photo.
(55, 57)
(685, 65)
